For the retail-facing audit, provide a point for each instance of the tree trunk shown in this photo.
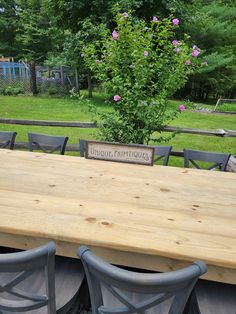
(62, 76)
(33, 81)
(77, 80)
(195, 91)
(202, 94)
(199, 91)
(90, 87)
(206, 95)
(231, 95)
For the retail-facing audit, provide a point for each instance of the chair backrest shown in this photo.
(218, 160)
(47, 143)
(82, 147)
(152, 289)
(7, 139)
(16, 270)
(162, 152)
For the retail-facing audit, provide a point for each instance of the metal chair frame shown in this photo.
(177, 284)
(25, 264)
(47, 143)
(82, 147)
(219, 160)
(163, 152)
(7, 139)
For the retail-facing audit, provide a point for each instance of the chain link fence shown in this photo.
(15, 79)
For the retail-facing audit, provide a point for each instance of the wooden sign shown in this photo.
(135, 154)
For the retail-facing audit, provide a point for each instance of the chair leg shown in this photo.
(79, 303)
(76, 308)
(82, 303)
(84, 296)
(192, 305)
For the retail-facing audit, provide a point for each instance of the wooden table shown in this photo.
(158, 218)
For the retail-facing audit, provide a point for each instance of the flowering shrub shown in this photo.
(140, 67)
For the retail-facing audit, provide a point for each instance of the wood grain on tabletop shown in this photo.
(173, 212)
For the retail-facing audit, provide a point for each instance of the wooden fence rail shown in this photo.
(219, 132)
(69, 124)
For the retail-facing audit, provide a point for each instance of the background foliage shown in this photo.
(37, 30)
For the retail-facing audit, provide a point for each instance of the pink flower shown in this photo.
(155, 19)
(125, 14)
(145, 53)
(177, 50)
(116, 98)
(187, 62)
(195, 53)
(181, 107)
(175, 22)
(175, 42)
(114, 35)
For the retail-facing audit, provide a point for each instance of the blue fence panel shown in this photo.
(14, 70)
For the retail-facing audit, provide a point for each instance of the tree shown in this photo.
(8, 27)
(79, 21)
(31, 29)
(34, 35)
(211, 25)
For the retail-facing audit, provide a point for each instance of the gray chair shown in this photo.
(36, 282)
(162, 152)
(218, 160)
(7, 139)
(82, 147)
(47, 143)
(119, 291)
(212, 298)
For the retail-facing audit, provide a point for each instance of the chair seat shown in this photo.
(215, 297)
(69, 276)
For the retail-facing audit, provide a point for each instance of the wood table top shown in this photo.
(183, 214)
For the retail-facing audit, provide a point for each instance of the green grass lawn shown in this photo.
(65, 109)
